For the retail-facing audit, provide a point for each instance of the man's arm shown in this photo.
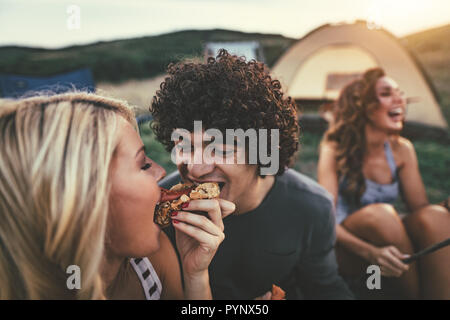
(318, 269)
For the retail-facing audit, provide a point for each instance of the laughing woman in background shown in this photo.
(365, 165)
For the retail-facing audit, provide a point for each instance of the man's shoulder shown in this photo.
(300, 191)
(302, 186)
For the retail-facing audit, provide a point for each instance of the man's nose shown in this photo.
(196, 171)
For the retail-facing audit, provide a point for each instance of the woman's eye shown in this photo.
(146, 166)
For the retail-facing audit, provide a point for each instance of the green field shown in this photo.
(434, 161)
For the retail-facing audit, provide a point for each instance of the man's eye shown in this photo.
(146, 166)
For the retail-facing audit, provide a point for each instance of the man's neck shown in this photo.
(254, 197)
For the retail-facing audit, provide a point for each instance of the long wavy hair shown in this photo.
(55, 154)
(356, 101)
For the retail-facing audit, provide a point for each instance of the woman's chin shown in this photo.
(397, 126)
(152, 239)
(152, 233)
(393, 126)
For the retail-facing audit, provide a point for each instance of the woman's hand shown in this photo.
(390, 261)
(198, 237)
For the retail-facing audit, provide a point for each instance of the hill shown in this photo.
(145, 57)
(116, 61)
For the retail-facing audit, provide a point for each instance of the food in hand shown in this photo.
(277, 293)
(172, 200)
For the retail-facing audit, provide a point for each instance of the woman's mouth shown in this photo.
(396, 114)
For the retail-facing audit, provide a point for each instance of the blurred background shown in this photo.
(122, 49)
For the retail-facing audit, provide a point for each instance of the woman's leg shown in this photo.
(380, 225)
(426, 227)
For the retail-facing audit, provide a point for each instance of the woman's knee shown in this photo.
(378, 221)
(379, 216)
(428, 220)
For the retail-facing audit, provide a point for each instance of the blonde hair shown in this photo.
(55, 154)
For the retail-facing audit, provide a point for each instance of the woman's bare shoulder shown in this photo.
(403, 150)
(402, 146)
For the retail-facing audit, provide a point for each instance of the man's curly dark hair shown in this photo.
(226, 92)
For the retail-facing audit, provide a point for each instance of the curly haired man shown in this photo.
(283, 230)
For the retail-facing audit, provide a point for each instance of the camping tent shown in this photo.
(317, 66)
(15, 86)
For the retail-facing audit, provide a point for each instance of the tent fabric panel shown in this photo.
(387, 51)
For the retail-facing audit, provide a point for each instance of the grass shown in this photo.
(434, 165)
(434, 161)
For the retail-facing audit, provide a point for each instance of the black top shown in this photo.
(288, 241)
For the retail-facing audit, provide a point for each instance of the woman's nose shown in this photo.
(158, 171)
(399, 97)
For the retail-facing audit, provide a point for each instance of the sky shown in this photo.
(60, 23)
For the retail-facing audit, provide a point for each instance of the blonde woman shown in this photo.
(77, 189)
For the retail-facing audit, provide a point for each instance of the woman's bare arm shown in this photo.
(413, 190)
(328, 178)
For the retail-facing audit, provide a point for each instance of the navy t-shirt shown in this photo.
(288, 240)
